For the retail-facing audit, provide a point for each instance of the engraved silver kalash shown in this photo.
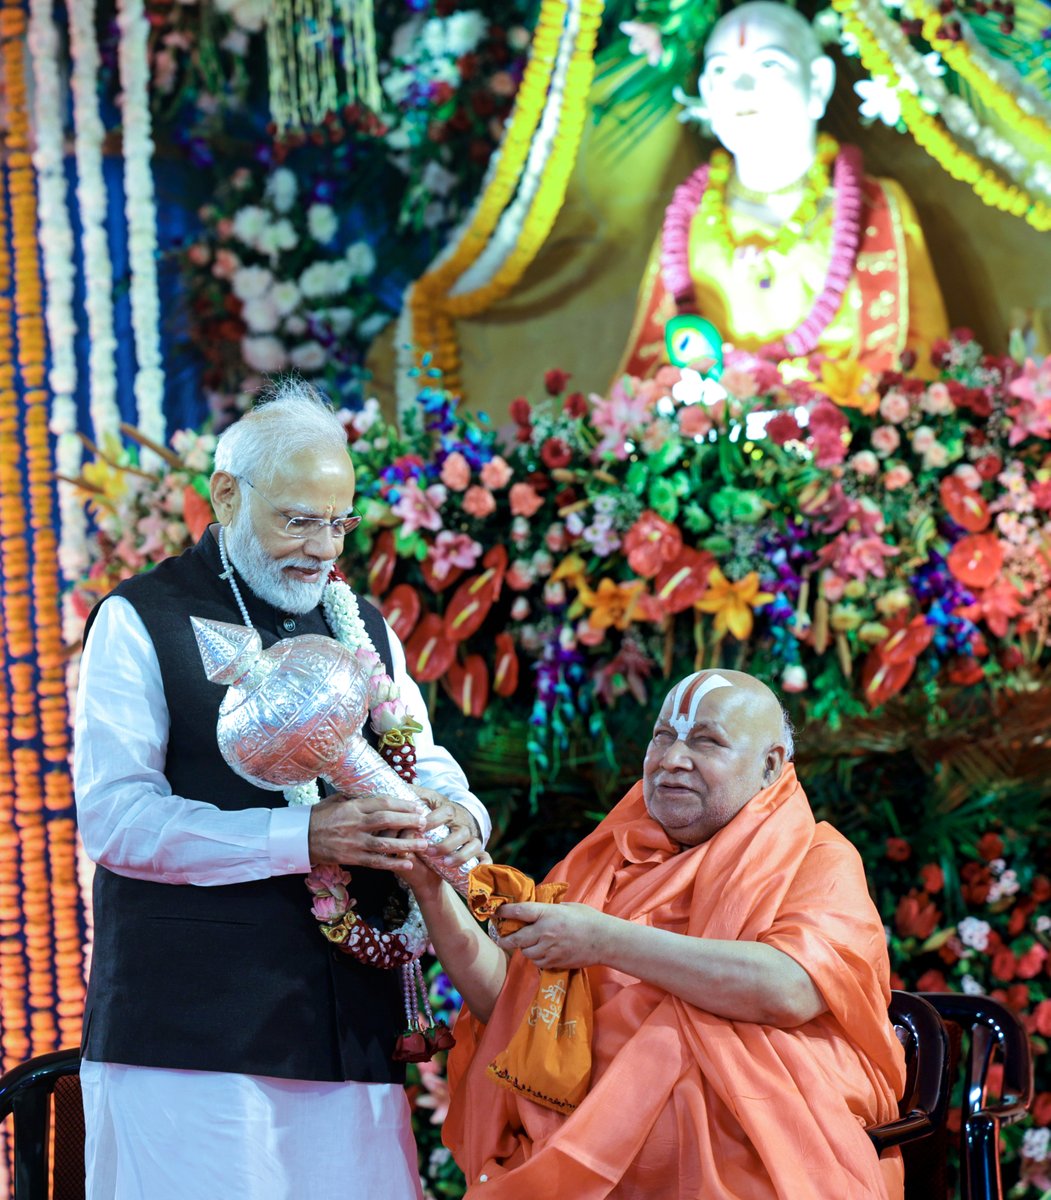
(295, 712)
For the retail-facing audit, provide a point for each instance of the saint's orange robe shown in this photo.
(681, 1103)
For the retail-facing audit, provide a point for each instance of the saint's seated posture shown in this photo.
(705, 1012)
(784, 243)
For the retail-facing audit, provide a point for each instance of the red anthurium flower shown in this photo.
(651, 543)
(880, 680)
(381, 565)
(438, 583)
(683, 581)
(430, 650)
(976, 560)
(964, 504)
(965, 671)
(196, 512)
(505, 674)
(907, 643)
(468, 684)
(402, 610)
(469, 606)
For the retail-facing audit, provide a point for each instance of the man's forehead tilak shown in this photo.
(687, 697)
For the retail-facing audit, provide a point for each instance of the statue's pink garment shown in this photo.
(682, 1103)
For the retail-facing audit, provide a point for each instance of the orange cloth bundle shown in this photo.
(681, 1102)
(548, 1059)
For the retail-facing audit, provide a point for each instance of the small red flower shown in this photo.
(555, 382)
(575, 405)
(931, 981)
(521, 413)
(916, 916)
(555, 453)
(784, 428)
(898, 849)
(991, 846)
(1005, 965)
(933, 877)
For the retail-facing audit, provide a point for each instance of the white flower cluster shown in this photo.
(974, 933)
(141, 214)
(1036, 1144)
(274, 308)
(250, 15)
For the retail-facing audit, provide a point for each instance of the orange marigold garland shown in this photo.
(51, 994)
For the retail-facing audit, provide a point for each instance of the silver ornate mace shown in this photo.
(295, 712)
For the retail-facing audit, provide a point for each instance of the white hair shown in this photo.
(291, 416)
(787, 735)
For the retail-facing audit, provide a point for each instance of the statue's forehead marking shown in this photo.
(742, 34)
(687, 697)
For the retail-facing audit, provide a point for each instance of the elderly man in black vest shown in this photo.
(229, 1050)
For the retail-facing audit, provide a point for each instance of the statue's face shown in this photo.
(759, 84)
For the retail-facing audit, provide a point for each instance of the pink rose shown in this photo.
(478, 502)
(885, 440)
(524, 500)
(970, 476)
(520, 575)
(520, 609)
(937, 400)
(897, 478)
(894, 407)
(496, 473)
(794, 679)
(456, 472)
(694, 420)
(555, 538)
(935, 457)
(865, 463)
(923, 438)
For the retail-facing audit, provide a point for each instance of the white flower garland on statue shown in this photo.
(56, 246)
(91, 197)
(917, 74)
(141, 213)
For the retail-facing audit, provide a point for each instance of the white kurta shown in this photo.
(152, 1133)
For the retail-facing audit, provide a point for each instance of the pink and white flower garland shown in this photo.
(846, 238)
(141, 213)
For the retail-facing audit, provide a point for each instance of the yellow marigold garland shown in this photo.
(959, 57)
(433, 309)
(935, 139)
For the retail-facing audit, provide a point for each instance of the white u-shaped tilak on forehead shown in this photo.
(690, 691)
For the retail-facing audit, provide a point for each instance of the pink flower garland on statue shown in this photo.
(846, 238)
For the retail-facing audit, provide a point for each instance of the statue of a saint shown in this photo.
(783, 243)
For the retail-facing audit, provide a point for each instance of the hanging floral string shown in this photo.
(934, 138)
(91, 197)
(306, 83)
(141, 213)
(534, 164)
(14, 634)
(924, 72)
(34, 706)
(56, 244)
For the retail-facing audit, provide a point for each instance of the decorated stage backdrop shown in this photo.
(875, 545)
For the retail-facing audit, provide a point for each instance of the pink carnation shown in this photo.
(897, 478)
(478, 501)
(525, 500)
(496, 473)
(894, 407)
(456, 472)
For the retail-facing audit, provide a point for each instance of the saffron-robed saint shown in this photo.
(682, 1102)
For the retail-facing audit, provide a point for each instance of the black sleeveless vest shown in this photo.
(238, 977)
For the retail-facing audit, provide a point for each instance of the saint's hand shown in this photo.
(558, 936)
(463, 841)
(367, 831)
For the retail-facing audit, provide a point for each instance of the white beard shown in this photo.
(266, 577)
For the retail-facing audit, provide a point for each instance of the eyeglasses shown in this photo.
(305, 527)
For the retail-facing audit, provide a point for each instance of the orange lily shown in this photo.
(733, 603)
(849, 385)
(612, 604)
